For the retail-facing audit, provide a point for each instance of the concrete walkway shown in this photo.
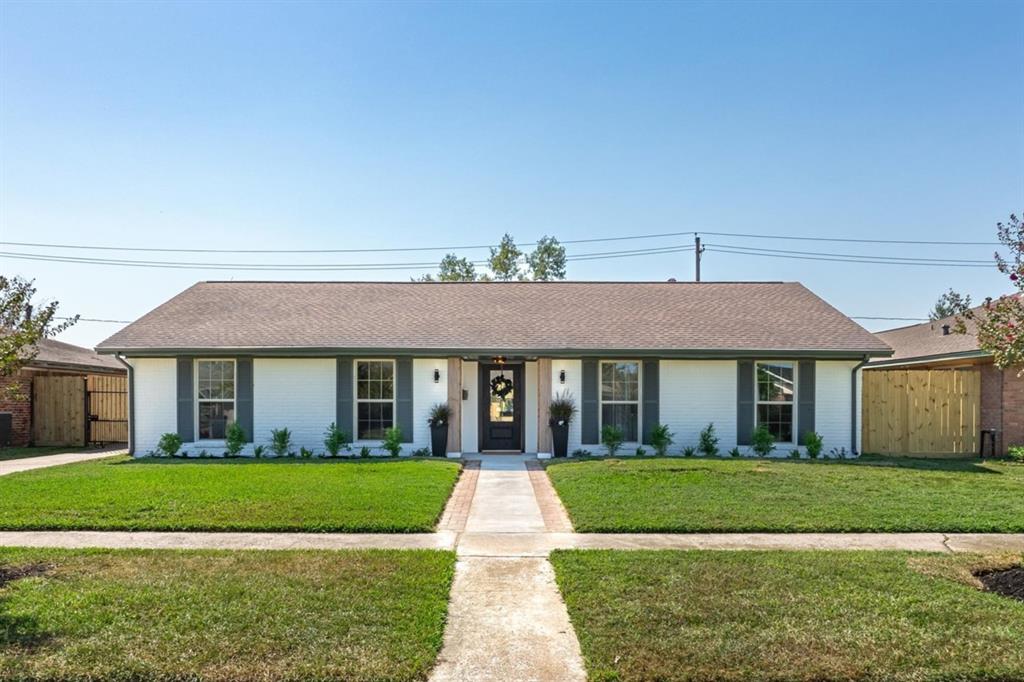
(13, 466)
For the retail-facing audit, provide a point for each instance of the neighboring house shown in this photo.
(53, 359)
(936, 345)
(369, 355)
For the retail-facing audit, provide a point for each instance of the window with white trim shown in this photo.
(375, 398)
(620, 397)
(776, 395)
(215, 398)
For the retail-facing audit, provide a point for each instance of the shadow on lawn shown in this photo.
(971, 465)
(17, 630)
(279, 461)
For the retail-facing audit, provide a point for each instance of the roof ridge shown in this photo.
(510, 282)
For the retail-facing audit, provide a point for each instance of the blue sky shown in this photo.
(309, 125)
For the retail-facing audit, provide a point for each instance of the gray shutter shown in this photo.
(589, 404)
(186, 401)
(403, 397)
(805, 399)
(343, 411)
(243, 396)
(744, 401)
(650, 398)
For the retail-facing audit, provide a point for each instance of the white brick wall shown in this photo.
(425, 394)
(694, 393)
(832, 403)
(470, 435)
(297, 393)
(156, 401)
(574, 384)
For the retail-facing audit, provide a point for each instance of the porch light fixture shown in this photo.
(437, 376)
(561, 377)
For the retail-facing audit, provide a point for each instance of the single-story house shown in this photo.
(371, 355)
(53, 359)
(936, 345)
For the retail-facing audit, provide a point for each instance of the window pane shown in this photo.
(779, 420)
(214, 419)
(363, 371)
(624, 416)
(775, 382)
(373, 419)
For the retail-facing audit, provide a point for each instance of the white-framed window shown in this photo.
(215, 398)
(776, 396)
(620, 397)
(375, 398)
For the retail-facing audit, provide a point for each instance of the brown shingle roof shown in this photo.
(59, 355)
(505, 317)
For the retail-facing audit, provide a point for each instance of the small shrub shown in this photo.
(562, 408)
(580, 452)
(305, 454)
(259, 451)
(640, 452)
(661, 439)
(735, 452)
(707, 443)
(365, 452)
(838, 453)
(234, 440)
(1016, 453)
(203, 454)
(440, 414)
(689, 451)
(335, 440)
(611, 438)
(169, 445)
(281, 442)
(762, 442)
(814, 444)
(422, 452)
(392, 441)
(794, 454)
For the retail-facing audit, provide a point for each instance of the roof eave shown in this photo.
(938, 357)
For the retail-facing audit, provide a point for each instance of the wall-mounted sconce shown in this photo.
(561, 377)
(437, 376)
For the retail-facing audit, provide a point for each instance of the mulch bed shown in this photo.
(12, 573)
(1008, 582)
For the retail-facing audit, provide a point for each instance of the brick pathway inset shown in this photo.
(457, 510)
(556, 519)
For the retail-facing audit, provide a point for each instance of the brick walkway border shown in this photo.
(457, 510)
(556, 519)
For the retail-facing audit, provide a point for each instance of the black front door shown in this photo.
(501, 417)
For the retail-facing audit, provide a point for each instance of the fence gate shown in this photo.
(58, 410)
(108, 408)
(921, 411)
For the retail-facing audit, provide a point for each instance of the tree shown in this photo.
(547, 262)
(505, 260)
(1000, 322)
(23, 326)
(949, 304)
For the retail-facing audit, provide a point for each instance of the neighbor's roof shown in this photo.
(496, 317)
(53, 354)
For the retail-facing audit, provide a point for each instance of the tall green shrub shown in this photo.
(392, 442)
(234, 440)
(611, 438)
(707, 443)
(661, 439)
(281, 442)
(762, 441)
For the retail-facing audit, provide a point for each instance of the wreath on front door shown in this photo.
(500, 386)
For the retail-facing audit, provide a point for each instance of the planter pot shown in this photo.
(439, 440)
(560, 438)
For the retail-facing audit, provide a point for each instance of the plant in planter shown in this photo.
(234, 440)
(281, 441)
(335, 440)
(561, 410)
(762, 442)
(611, 438)
(440, 414)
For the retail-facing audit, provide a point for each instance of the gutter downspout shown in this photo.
(853, 404)
(131, 402)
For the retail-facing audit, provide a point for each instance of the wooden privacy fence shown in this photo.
(921, 411)
(75, 410)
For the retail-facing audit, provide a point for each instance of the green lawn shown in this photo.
(723, 495)
(670, 615)
(236, 615)
(392, 496)
(22, 453)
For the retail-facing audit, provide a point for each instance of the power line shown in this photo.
(849, 239)
(856, 255)
(93, 319)
(852, 259)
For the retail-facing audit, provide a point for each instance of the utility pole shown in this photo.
(697, 251)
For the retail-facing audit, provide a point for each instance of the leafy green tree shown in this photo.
(547, 262)
(23, 326)
(1000, 322)
(949, 304)
(505, 260)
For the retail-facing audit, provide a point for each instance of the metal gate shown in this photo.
(108, 408)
